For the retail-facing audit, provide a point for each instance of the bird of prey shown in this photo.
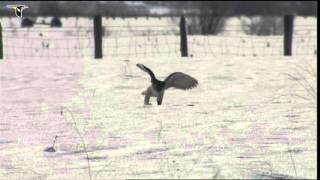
(177, 80)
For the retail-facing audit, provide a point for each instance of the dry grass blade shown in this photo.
(310, 92)
(292, 160)
(82, 142)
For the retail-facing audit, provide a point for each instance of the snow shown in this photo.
(250, 116)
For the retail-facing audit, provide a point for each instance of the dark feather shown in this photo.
(180, 80)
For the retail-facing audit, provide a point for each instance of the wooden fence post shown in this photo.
(183, 37)
(97, 30)
(288, 34)
(1, 44)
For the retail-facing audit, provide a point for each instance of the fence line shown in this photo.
(149, 40)
(48, 42)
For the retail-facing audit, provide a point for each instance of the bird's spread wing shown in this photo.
(180, 80)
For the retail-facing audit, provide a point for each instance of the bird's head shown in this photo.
(142, 67)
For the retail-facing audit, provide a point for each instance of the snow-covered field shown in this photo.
(250, 117)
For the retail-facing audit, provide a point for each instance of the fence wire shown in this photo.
(149, 41)
(76, 42)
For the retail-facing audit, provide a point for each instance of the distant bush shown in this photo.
(26, 22)
(263, 26)
(56, 22)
